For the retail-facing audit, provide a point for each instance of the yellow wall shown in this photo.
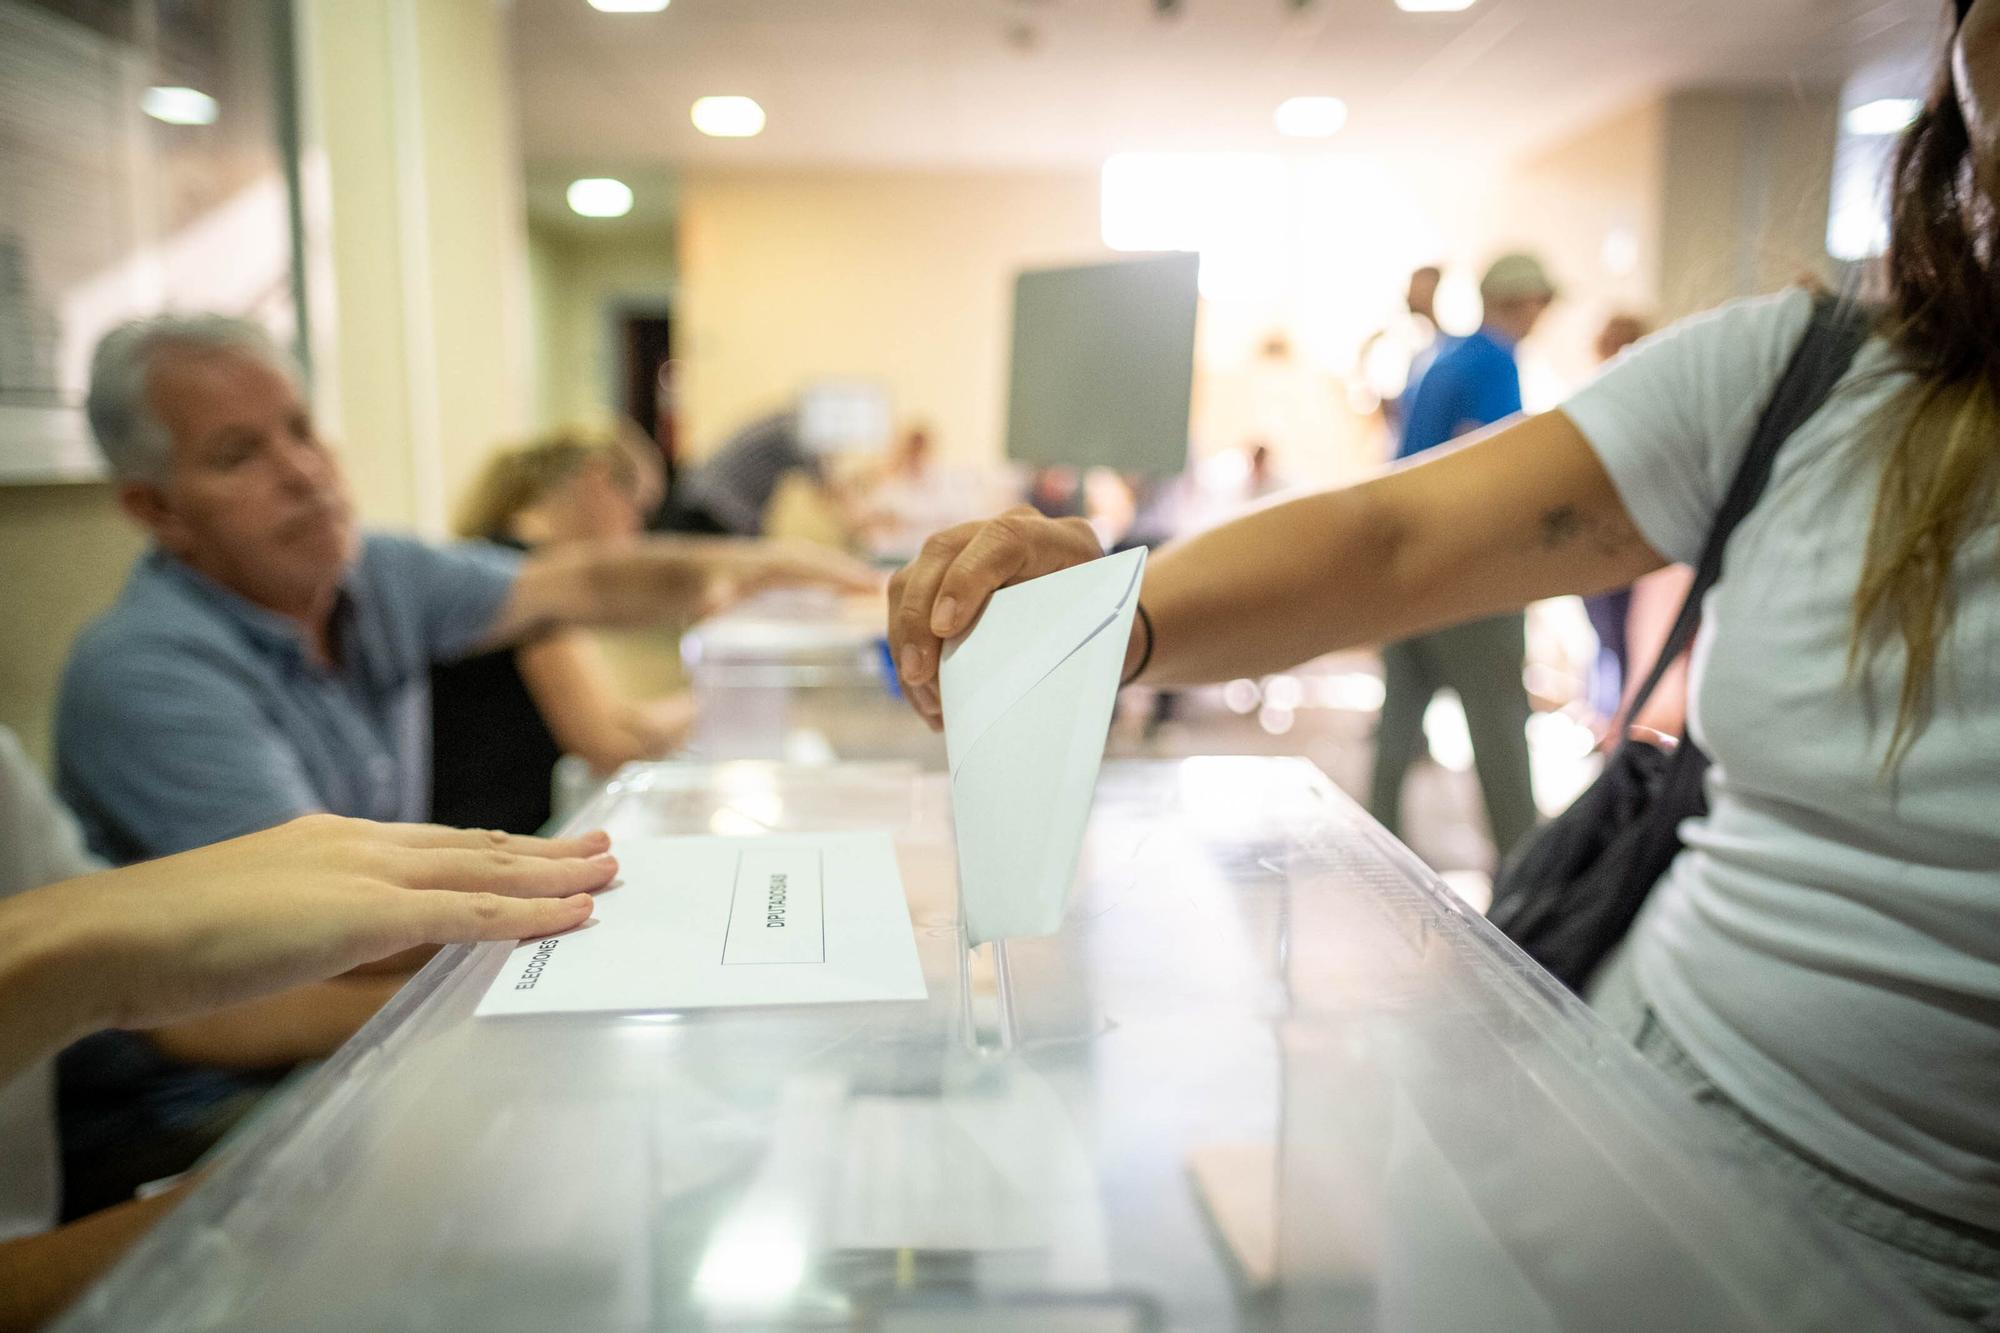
(902, 278)
(577, 282)
(1564, 204)
(65, 550)
(1747, 181)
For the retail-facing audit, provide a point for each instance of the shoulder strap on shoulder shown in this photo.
(1838, 328)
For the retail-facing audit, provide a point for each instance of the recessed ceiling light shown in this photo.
(629, 6)
(600, 197)
(1621, 252)
(1884, 115)
(727, 117)
(179, 106)
(1433, 6)
(1310, 117)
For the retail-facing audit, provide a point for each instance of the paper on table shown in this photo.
(1027, 698)
(701, 922)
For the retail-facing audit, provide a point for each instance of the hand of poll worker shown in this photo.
(740, 568)
(603, 584)
(938, 595)
(166, 939)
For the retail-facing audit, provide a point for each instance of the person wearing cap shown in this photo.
(1473, 383)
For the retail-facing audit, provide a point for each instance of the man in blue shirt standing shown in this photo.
(1473, 383)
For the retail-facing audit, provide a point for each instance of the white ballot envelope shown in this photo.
(702, 922)
(1027, 697)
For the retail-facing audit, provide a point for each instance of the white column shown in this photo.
(416, 247)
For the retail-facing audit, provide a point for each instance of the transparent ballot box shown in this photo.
(1270, 1074)
(800, 677)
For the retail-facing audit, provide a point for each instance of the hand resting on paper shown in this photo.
(308, 900)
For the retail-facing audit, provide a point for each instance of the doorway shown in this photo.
(645, 341)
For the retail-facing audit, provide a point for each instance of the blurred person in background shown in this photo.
(1620, 331)
(1819, 970)
(730, 492)
(1609, 612)
(1394, 358)
(1633, 623)
(1474, 382)
(1261, 478)
(501, 719)
(910, 497)
(1055, 492)
(1110, 506)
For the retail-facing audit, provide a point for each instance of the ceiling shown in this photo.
(984, 84)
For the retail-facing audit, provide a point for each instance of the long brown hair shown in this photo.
(1943, 460)
(517, 478)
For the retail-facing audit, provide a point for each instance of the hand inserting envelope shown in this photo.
(1027, 696)
(814, 918)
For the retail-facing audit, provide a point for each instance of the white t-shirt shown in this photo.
(1827, 946)
(39, 844)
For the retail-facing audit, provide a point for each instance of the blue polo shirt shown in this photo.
(188, 715)
(1474, 382)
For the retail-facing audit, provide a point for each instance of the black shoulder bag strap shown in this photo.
(1837, 330)
(1570, 894)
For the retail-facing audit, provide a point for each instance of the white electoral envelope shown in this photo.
(1027, 698)
(700, 922)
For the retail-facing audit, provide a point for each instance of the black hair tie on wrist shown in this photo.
(1145, 656)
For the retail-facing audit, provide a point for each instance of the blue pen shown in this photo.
(889, 676)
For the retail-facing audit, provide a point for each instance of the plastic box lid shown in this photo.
(1271, 1074)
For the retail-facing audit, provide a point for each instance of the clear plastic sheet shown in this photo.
(801, 678)
(1271, 1074)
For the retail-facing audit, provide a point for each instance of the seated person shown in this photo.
(265, 661)
(83, 948)
(732, 489)
(910, 495)
(500, 720)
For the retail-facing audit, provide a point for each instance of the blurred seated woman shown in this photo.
(500, 721)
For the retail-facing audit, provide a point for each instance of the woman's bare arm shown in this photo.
(1519, 513)
(583, 706)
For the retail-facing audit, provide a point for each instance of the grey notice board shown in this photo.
(1103, 365)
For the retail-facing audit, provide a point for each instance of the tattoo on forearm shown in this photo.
(1565, 525)
(1560, 527)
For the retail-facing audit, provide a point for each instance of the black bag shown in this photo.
(1569, 893)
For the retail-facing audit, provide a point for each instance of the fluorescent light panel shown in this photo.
(628, 6)
(1884, 115)
(1433, 6)
(727, 117)
(600, 197)
(179, 106)
(1310, 117)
